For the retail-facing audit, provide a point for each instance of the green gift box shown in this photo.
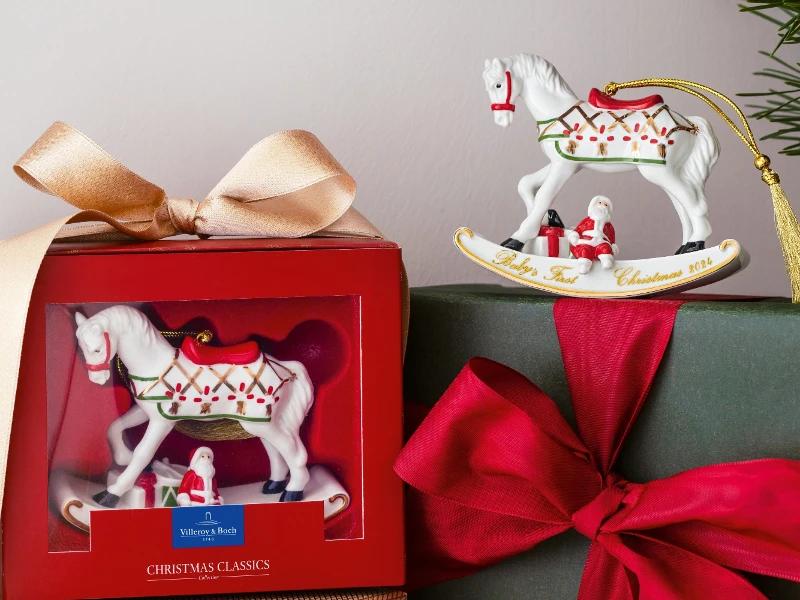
(726, 390)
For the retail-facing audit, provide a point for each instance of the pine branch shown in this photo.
(781, 107)
(789, 30)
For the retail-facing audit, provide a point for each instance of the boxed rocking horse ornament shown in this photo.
(202, 416)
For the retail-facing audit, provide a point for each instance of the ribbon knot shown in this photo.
(591, 517)
(183, 214)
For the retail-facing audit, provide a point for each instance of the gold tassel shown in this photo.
(785, 223)
(785, 220)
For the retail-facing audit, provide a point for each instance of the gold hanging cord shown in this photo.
(785, 220)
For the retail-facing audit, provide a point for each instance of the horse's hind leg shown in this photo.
(157, 430)
(278, 470)
(294, 453)
(292, 450)
(530, 184)
(686, 222)
(119, 450)
(557, 176)
(689, 197)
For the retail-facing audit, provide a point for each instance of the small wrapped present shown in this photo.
(155, 487)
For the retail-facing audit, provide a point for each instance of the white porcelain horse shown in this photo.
(606, 135)
(270, 399)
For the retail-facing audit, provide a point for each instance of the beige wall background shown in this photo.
(179, 90)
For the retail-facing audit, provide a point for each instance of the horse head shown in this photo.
(97, 346)
(504, 88)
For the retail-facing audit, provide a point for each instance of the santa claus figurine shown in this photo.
(199, 486)
(593, 238)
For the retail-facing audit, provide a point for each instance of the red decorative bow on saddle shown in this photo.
(495, 469)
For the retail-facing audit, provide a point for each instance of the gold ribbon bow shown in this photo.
(287, 185)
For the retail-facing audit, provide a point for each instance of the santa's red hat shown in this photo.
(194, 455)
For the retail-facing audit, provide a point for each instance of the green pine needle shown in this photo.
(781, 107)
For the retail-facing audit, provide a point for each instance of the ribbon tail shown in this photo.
(740, 515)
(605, 578)
(447, 540)
(610, 369)
(662, 570)
(20, 259)
(93, 232)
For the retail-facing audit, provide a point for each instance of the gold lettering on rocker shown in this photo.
(506, 258)
(629, 276)
(557, 275)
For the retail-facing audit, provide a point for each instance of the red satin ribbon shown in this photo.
(552, 233)
(495, 469)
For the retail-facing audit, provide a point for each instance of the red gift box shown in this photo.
(333, 304)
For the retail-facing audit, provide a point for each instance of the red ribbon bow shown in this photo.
(495, 469)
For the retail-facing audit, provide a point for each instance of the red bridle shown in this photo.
(106, 365)
(507, 104)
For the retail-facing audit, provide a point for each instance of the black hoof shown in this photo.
(289, 496)
(680, 250)
(106, 499)
(693, 247)
(273, 487)
(513, 244)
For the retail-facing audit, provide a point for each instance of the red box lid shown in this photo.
(223, 244)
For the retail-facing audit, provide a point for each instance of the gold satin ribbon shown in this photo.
(287, 185)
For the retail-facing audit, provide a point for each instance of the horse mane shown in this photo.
(527, 66)
(122, 317)
(134, 318)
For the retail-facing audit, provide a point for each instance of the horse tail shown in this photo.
(703, 156)
(299, 399)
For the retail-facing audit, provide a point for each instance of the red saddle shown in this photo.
(239, 354)
(601, 100)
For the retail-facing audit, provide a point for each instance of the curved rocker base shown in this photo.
(694, 267)
(76, 498)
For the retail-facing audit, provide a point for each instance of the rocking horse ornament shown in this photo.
(269, 398)
(605, 135)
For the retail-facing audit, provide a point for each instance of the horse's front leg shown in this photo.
(119, 450)
(157, 430)
(557, 176)
(530, 184)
